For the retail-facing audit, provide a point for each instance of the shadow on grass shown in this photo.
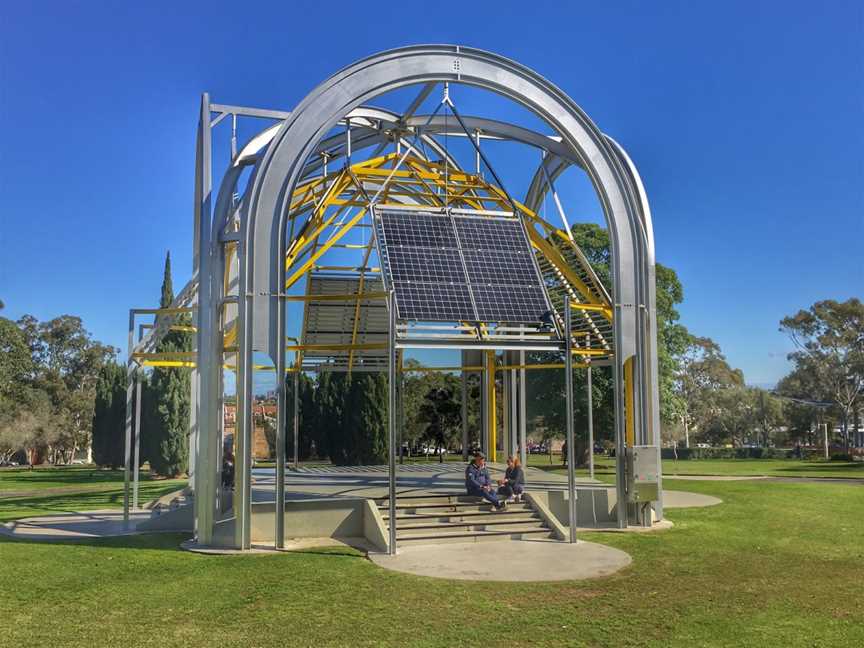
(14, 508)
(855, 469)
(165, 541)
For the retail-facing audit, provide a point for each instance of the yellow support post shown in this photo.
(629, 428)
(492, 418)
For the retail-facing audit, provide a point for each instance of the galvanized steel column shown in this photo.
(571, 437)
(391, 420)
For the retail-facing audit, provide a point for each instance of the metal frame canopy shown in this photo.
(297, 200)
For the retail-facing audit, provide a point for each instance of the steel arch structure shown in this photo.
(245, 238)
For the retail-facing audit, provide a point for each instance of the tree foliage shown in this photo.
(109, 416)
(829, 355)
(167, 432)
(48, 376)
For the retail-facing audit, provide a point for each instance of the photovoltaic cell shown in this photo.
(460, 268)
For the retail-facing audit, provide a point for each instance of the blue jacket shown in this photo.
(476, 478)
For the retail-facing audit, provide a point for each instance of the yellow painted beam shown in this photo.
(320, 251)
(629, 427)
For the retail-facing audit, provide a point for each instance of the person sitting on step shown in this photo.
(513, 484)
(478, 483)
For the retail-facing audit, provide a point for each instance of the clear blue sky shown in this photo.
(744, 118)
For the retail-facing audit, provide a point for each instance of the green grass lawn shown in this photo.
(730, 467)
(777, 564)
(44, 491)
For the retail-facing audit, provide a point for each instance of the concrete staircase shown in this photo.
(452, 517)
(170, 502)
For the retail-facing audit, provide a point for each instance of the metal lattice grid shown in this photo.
(329, 326)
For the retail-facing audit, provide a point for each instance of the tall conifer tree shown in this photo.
(169, 407)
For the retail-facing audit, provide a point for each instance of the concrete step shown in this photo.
(451, 508)
(459, 516)
(473, 536)
(421, 498)
(485, 525)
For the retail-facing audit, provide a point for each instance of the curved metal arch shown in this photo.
(279, 169)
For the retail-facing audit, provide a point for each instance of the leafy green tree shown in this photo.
(702, 372)
(16, 363)
(672, 337)
(441, 411)
(802, 414)
(109, 416)
(66, 365)
(330, 401)
(829, 337)
(167, 447)
(365, 421)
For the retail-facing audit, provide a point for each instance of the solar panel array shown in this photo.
(458, 267)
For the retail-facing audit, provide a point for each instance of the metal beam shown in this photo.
(571, 437)
(245, 111)
(391, 423)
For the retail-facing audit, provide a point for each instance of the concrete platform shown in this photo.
(314, 482)
(75, 526)
(682, 499)
(509, 560)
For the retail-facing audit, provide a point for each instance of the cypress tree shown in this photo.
(109, 416)
(167, 449)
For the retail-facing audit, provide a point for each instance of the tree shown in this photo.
(330, 402)
(442, 411)
(109, 416)
(829, 337)
(167, 447)
(672, 337)
(702, 372)
(66, 365)
(801, 413)
(366, 419)
(16, 363)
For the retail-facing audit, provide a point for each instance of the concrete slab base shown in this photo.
(513, 560)
(683, 499)
(76, 526)
(660, 525)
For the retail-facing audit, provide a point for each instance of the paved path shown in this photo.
(74, 526)
(507, 560)
(683, 499)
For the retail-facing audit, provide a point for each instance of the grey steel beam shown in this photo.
(280, 459)
(464, 384)
(296, 413)
(204, 502)
(137, 458)
(391, 421)
(127, 447)
(245, 111)
(523, 412)
(571, 437)
(590, 393)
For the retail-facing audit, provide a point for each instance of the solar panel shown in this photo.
(458, 267)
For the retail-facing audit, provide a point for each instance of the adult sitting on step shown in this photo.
(478, 483)
(513, 484)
